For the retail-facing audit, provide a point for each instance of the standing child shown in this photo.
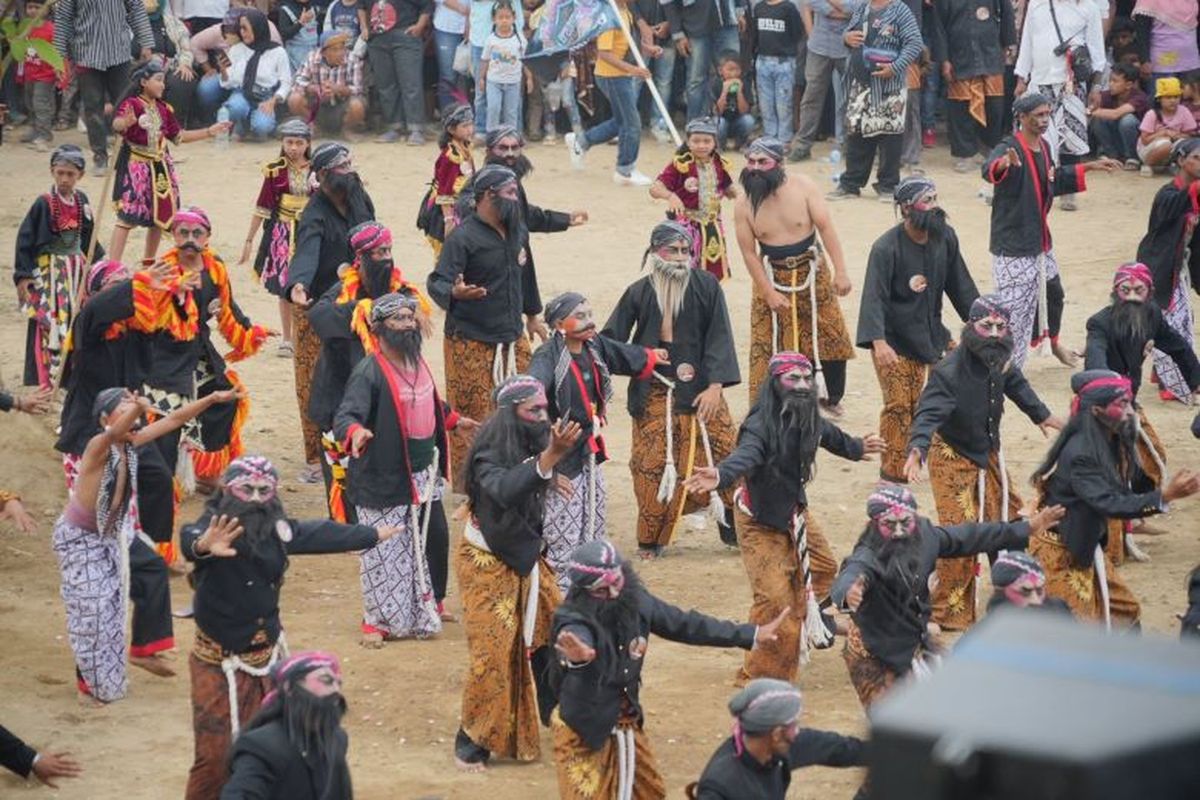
(1167, 122)
(347, 16)
(299, 26)
(454, 166)
(500, 68)
(281, 200)
(733, 101)
(37, 80)
(775, 35)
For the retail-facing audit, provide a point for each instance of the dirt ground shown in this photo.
(404, 699)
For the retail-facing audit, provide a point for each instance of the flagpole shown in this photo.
(637, 56)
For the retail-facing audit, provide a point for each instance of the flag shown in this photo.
(566, 25)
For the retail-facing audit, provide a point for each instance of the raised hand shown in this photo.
(570, 647)
(1183, 484)
(563, 436)
(35, 403)
(218, 539)
(767, 632)
(466, 291)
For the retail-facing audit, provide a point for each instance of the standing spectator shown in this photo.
(37, 80)
(824, 64)
(914, 139)
(969, 38)
(479, 26)
(617, 79)
(1115, 119)
(173, 44)
(1166, 36)
(776, 32)
(733, 101)
(1163, 125)
(652, 22)
(884, 39)
(328, 89)
(94, 35)
(200, 14)
(449, 26)
(299, 25)
(348, 17)
(396, 51)
(258, 76)
(701, 30)
(500, 68)
(1052, 29)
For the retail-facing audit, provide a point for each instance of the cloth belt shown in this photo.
(232, 664)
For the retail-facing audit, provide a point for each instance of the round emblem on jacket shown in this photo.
(144, 121)
(283, 530)
(214, 306)
(637, 648)
(685, 372)
(522, 257)
(692, 185)
(983, 13)
(918, 283)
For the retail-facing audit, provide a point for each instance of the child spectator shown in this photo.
(500, 69)
(1167, 122)
(37, 80)
(299, 25)
(1114, 122)
(775, 34)
(733, 101)
(347, 16)
(1191, 93)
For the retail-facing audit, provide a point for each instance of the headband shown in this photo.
(492, 177)
(294, 127)
(391, 304)
(987, 305)
(501, 132)
(107, 401)
(912, 189)
(517, 389)
(457, 116)
(1184, 148)
(704, 125)
(787, 360)
(152, 66)
(768, 146)
(289, 671)
(890, 498)
(596, 565)
(250, 469)
(192, 214)
(1098, 387)
(1011, 565)
(561, 307)
(368, 235)
(1029, 102)
(68, 154)
(764, 703)
(1133, 271)
(99, 274)
(329, 155)
(669, 231)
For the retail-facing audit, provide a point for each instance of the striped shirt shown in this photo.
(97, 33)
(892, 28)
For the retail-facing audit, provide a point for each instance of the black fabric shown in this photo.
(1163, 247)
(238, 596)
(702, 331)
(1056, 301)
(510, 523)
(835, 379)
(15, 755)
(265, 765)
(1189, 624)
(911, 321)
(590, 703)
(1125, 355)
(776, 29)
(963, 403)
(322, 244)
(498, 263)
(964, 131)
(729, 776)
(149, 592)
(699, 18)
(156, 494)
(6, 401)
(437, 548)
(860, 156)
(341, 351)
(974, 46)
(538, 220)
(1018, 218)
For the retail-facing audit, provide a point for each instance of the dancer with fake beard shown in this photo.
(910, 269)
(1018, 581)
(322, 247)
(679, 413)
(783, 214)
(1119, 337)
(1024, 266)
(601, 633)
(1092, 470)
(453, 168)
(508, 589)
(295, 747)
(576, 368)
(341, 318)
(956, 431)
(1171, 249)
(393, 424)
(788, 560)
(485, 283)
(102, 557)
(693, 184)
(240, 546)
(885, 584)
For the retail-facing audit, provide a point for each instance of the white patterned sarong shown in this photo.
(1181, 319)
(565, 521)
(1015, 278)
(1068, 130)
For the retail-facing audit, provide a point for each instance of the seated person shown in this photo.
(732, 102)
(1163, 125)
(328, 88)
(1114, 122)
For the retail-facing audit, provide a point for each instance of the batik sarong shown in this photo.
(145, 191)
(397, 590)
(1149, 461)
(1179, 316)
(648, 460)
(276, 254)
(1068, 130)
(901, 385)
(955, 483)
(568, 523)
(51, 303)
(871, 678)
(1016, 279)
(1079, 587)
(306, 350)
(587, 774)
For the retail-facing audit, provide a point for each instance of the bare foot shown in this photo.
(447, 615)
(1064, 354)
(1144, 528)
(470, 766)
(155, 665)
(372, 641)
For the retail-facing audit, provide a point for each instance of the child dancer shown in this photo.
(453, 167)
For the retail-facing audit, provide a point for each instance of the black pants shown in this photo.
(150, 594)
(1056, 298)
(180, 94)
(97, 86)
(860, 155)
(168, 447)
(437, 550)
(966, 133)
(197, 24)
(156, 493)
(835, 379)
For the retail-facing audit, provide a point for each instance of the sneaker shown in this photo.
(390, 136)
(963, 165)
(841, 193)
(551, 136)
(99, 166)
(928, 138)
(80, 125)
(1132, 165)
(885, 196)
(62, 125)
(634, 178)
(416, 139)
(1067, 202)
(574, 150)
(660, 134)
(1146, 171)
(800, 154)
(28, 137)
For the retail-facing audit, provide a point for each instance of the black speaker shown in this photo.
(1037, 706)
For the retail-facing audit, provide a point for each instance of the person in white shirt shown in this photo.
(258, 75)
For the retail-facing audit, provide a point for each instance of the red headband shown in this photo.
(368, 236)
(1135, 271)
(786, 361)
(194, 215)
(1119, 382)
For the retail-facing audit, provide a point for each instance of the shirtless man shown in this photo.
(783, 213)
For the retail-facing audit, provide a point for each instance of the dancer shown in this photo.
(53, 244)
(281, 200)
(679, 412)
(393, 423)
(240, 547)
(508, 590)
(909, 270)
(23, 760)
(788, 560)
(956, 429)
(885, 584)
(145, 189)
(783, 214)
(693, 184)
(576, 368)
(1018, 581)
(601, 633)
(454, 166)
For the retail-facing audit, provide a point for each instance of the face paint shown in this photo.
(610, 590)
(322, 682)
(896, 524)
(507, 190)
(189, 238)
(534, 409)
(507, 148)
(756, 162)
(250, 492)
(1118, 410)
(992, 327)
(378, 254)
(1028, 590)
(1133, 291)
(677, 253)
(926, 202)
(796, 378)
(581, 324)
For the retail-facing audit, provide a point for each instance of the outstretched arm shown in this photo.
(693, 627)
(181, 416)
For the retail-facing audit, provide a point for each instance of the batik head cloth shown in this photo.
(152, 66)
(290, 671)
(294, 127)
(366, 236)
(192, 215)
(1098, 387)
(250, 469)
(912, 189)
(669, 231)
(107, 401)
(68, 154)
(99, 274)
(329, 155)
(1133, 271)
(890, 498)
(491, 178)
(596, 565)
(457, 116)
(1030, 102)
(502, 132)
(768, 146)
(1012, 565)
(765, 703)
(562, 307)
(704, 125)
(391, 304)
(517, 389)
(1184, 148)
(987, 305)
(786, 361)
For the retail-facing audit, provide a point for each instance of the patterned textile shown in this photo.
(51, 302)
(974, 91)
(795, 331)
(565, 523)
(1079, 587)
(871, 678)
(1068, 131)
(146, 192)
(277, 255)
(955, 483)
(397, 590)
(1180, 317)
(1015, 278)
(867, 117)
(307, 348)
(211, 724)
(587, 774)
(469, 384)
(1118, 527)
(499, 705)
(901, 385)
(648, 458)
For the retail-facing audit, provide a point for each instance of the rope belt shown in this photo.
(233, 664)
(474, 536)
(504, 362)
(591, 496)
(626, 762)
(1102, 578)
(670, 477)
(1043, 308)
(812, 257)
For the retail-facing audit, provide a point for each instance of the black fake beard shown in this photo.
(405, 344)
(931, 221)
(258, 520)
(761, 184)
(347, 189)
(900, 556)
(1131, 320)
(535, 436)
(994, 353)
(1125, 431)
(312, 727)
(518, 163)
(510, 213)
(377, 276)
(617, 619)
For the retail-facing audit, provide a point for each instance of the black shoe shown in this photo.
(99, 165)
(467, 751)
(727, 530)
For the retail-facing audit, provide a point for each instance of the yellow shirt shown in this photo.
(613, 42)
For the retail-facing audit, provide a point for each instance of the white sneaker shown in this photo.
(634, 178)
(574, 150)
(661, 135)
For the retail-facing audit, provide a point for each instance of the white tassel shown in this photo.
(666, 486)
(231, 665)
(716, 506)
(1102, 579)
(815, 632)
(923, 665)
(822, 389)
(810, 286)
(670, 476)
(1043, 308)
(185, 470)
(1134, 552)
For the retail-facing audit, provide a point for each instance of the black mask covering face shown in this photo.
(377, 276)
(931, 220)
(510, 212)
(536, 435)
(347, 188)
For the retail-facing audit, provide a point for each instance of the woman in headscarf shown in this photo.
(259, 75)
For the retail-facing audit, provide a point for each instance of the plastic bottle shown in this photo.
(222, 139)
(835, 156)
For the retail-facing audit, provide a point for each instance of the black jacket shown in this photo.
(539, 220)
(963, 403)
(1125, 356)
(589, 703)
(1163, 246)
(265, 765)
(700, 17)
(322, 245)
(237, 597)
(341, 350)
(729, 776)
(502, 507)
(1023, 196)
(973, 45)
(15, 755)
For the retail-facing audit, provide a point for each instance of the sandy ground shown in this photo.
(404, 699)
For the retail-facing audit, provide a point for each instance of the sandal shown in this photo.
(285, 349)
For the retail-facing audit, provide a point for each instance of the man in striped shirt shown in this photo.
(95, 35)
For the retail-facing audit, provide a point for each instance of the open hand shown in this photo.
(767, 633)
(707, 403)
(466, 291)
(218, 539)
(15, 511)
(1045, 519)
(1183, 484)
(160, 276)
(562, 485)
(912, 466)
(358, 441)
(386, 532)
(37, 402)
(854, 595)
(702, 480)
(873, 444)
(563, 436)
(56, 765)
(1011, 159)
(570, 647)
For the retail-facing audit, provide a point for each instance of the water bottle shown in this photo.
(222, 138)
(835, 156)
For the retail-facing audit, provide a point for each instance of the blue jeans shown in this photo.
(445, 44)
(776, 83)
(703, 58)
(664, 73)
(480, 93)
(210, 95)
(1117, 137)
(503, 104)
(738, 129)
(240, 110)
(625, 122)
(930, 90)
(571, 104)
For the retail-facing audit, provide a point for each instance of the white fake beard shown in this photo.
(670, 282)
